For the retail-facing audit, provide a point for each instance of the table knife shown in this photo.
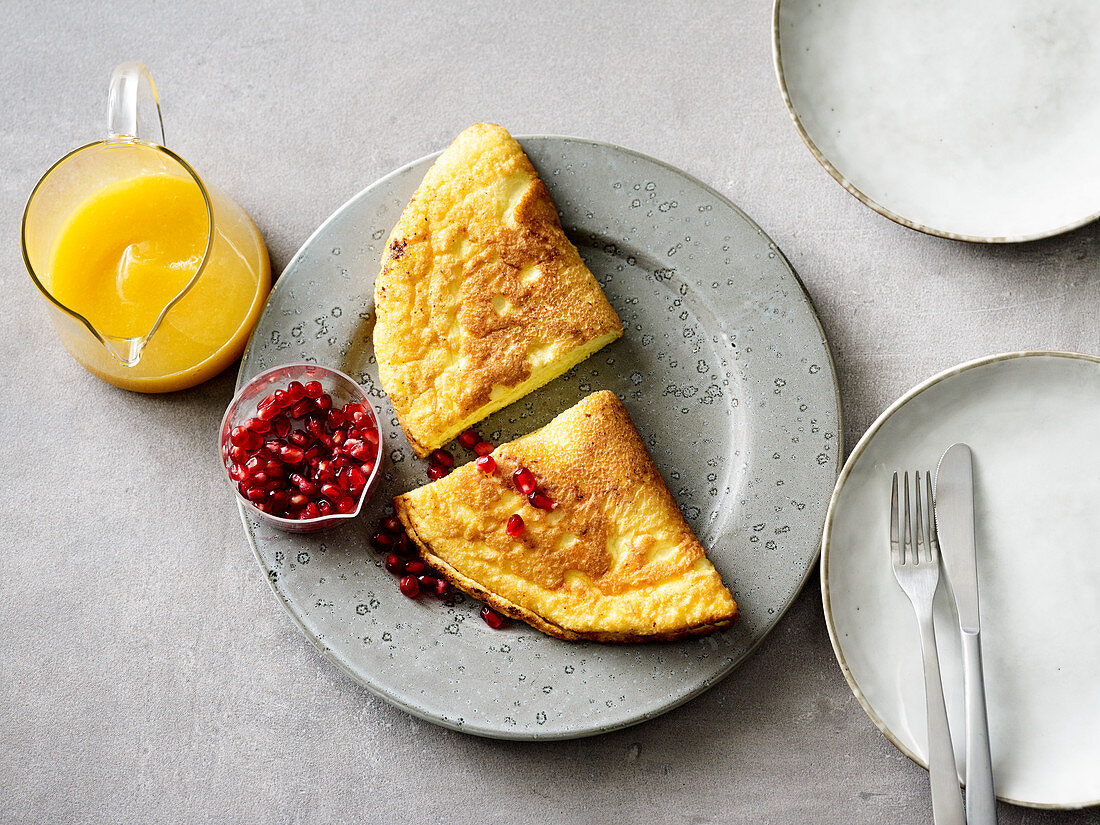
(955, 523)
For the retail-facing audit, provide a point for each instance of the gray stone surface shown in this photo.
(147, 674)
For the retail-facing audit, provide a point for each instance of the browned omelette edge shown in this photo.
(502, 605)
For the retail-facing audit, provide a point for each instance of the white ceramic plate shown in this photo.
(726, 373)
(1033, 421)
(973, 120)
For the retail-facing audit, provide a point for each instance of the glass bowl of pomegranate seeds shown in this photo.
(301, 447)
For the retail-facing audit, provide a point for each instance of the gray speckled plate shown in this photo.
(724, 369)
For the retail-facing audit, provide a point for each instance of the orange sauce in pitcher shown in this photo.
(127, 250)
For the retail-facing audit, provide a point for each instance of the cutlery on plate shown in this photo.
(914, 554)
(954, 519)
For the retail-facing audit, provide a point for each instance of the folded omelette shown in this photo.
(612, 561)
(481, 298)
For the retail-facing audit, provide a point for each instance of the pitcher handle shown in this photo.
(132, 103)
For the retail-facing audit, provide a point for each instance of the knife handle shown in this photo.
(981, 803)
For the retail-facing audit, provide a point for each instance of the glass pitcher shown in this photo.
(154, 279)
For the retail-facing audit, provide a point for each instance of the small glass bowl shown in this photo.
(341, 388)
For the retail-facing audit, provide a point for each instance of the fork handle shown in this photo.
(943, 775)
(981, 804)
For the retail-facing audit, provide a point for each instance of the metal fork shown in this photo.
(917, 569)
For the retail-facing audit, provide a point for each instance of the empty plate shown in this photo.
(975, 121)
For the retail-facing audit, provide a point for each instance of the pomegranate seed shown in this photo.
(487, 464)
(295, 390)
(437, 471)
(345, 505)
(238, 472)
(299, 438)
(238, 455)
(443, 457)
(302, 408)
(441, 588)
(515, 525)
(313, 389)
(254, 464)
(239, 436)
(524, 480)
(256, 494)
(335, 419)
(416, 568)
(351, 408)
(392, 524)
(355, 479)
(331, 491)
(272, 445)
(257, 425)
(291, 454)
(338, 437)
(468, 439)
(268, 401)
(364, 420)
(315, 426)
(304, 485)
(280, 398)
(483, 448)
(324, 402)
(260, 478)
(403, 546)
(371, 437)
(394, 564)
(382, 541)
(541, 500)
(324, 507)
(492, 618)
(410, 587)
(298, 500)
(278, 500)
(311, 511)
(269, 412)
(428, 583)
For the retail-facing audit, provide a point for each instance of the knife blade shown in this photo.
(954, 508)
(955, 524)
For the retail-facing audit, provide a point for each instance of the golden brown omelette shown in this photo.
(614, 561)
(481, 298)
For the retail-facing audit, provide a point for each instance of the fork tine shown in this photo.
(920, 552)
(907, 536)
(895, 549)
(933, 535)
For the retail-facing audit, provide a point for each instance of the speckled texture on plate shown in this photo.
(724, 369)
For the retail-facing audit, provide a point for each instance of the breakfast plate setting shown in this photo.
(539, 437)
(725, 372)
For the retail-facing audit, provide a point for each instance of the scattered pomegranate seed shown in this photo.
(540, 500)
(437, 471)
(382, 541)
(468, 439)
(524, 480)
(443, 457)
(491, 617)
(428, 583)
(487, 464)
(416, 568)
(394, 564)
(409, 586)
(442, 588)
(483, 448)
(392, 524)
(515, 525)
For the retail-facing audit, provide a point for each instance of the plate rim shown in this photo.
(704, 685)
(867, 200)
(846, 472)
